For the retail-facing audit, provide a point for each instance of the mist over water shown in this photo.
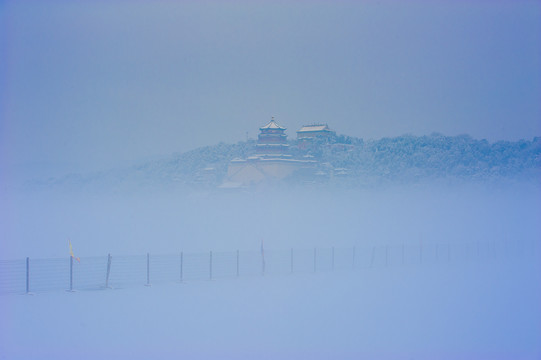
(137, 221)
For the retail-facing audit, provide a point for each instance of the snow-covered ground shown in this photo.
(486, 307)
(477, 311)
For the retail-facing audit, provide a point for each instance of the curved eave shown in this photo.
(314, 131)
(273, 126)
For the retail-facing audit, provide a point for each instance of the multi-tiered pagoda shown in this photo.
(272, 141)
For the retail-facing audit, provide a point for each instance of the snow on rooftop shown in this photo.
(315, 127)
(272, 125)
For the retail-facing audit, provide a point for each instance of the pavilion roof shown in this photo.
(272, 125)
(315, 127)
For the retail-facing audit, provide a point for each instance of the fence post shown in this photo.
(237, 263)
(332, 262)
(181, 266)
(148, 270)
(27, 275)
(71, 273)
(292, 260)
(108, 271)
(315, 259)
(210, 265)
(263, 264)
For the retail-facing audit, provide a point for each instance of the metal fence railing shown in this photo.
(90, 273)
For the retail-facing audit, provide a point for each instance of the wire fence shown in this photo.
(91, 273)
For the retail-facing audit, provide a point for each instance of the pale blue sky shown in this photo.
(88, 85)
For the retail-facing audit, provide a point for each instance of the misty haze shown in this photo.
(270, 181)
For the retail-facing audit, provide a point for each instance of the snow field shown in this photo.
(471, 311)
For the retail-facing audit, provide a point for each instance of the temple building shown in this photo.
(272, 141)
(272, 161)
(308, 133)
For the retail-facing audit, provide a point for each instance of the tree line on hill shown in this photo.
(399, 159)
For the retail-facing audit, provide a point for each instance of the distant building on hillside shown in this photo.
(307, 135)
(272, 141)
(271, 162)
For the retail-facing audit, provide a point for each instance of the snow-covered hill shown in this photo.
(404, 159)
